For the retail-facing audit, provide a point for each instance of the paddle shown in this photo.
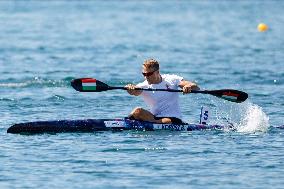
(93, 85)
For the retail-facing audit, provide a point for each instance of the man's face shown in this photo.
(150, 74)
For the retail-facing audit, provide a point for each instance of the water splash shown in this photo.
(245, 117)
(254, 120)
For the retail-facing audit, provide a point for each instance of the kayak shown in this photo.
(93, 125)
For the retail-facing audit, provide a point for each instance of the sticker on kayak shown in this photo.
(171, 127)
(114, 124)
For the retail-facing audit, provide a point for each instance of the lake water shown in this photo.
(44, 45)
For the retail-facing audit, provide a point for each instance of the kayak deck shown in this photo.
(92, 125)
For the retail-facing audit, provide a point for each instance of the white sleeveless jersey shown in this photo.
(162, 103)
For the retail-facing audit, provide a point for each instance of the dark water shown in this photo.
(44, 45)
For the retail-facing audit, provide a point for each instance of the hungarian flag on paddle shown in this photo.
(230, 96)
(89, 84)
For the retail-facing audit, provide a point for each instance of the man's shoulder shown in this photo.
(142, 84)
(171, 76)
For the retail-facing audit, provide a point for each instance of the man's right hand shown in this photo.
(131, 89)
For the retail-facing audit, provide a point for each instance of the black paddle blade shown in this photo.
(89, 85)
(230, 95)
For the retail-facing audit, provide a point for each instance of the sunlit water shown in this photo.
(44, 45)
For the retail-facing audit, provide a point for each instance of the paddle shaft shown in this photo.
(168, 90)
(93, 85)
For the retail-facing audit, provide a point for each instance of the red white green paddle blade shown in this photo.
(230, 95)
(89, 85)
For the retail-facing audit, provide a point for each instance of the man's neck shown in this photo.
(158, 80)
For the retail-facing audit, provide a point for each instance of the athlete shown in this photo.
(164, 106)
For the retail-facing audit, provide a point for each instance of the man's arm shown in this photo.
(131, 90)
(188, 86)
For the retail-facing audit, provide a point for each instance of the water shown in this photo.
(44, 45)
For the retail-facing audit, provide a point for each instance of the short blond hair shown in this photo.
(151, 64)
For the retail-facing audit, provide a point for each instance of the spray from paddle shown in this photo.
(246, 117)
(254, 120)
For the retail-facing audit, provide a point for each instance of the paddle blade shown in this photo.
(230, 95)
(89, 85)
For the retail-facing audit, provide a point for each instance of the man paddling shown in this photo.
(164, 105)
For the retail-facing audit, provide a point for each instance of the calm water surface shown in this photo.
(44, 45)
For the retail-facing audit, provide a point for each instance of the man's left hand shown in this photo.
(187, 89)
